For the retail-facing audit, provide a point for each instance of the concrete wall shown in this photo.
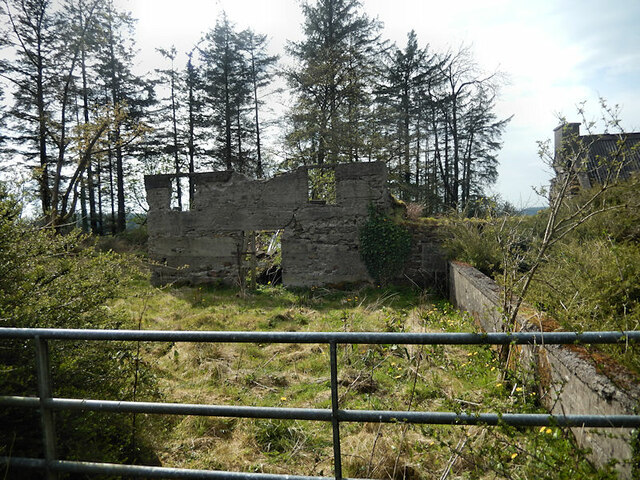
(572, 380)
(427, 265)
(319, 244)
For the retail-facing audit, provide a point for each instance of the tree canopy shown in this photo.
(86, 127)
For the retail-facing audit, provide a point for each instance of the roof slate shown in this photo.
(604, 149)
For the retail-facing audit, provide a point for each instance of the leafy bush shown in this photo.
(473, 241)
(384, 246)
(60, 281)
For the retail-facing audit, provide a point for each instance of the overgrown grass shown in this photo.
(389, 377)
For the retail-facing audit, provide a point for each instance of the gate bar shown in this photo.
(337, 458)
(46, 414)
(114, 469)
(326, 415)
(439, 338)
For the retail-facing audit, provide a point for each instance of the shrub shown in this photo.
(384, 246)
(473, 241)
(58, 281)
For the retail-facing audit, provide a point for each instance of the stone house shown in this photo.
(595, 158)
(319, 223)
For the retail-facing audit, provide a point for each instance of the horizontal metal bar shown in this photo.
(513, 419)
(172, 408)
(144, 471)
(324, 415)
(439, 338)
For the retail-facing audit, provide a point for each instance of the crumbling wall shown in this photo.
(427, 266)
(320, 240)
(572, 380)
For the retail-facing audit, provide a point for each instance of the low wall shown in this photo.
(571, 379)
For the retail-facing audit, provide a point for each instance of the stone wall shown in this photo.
(320, 239)
(572, 380)
(427, 266)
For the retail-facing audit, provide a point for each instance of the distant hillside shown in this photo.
(531, 210)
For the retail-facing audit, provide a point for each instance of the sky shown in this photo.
(554, 54)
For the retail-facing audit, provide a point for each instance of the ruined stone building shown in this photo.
(320, 223)
(592, 158)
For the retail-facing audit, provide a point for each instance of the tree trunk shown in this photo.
(176, 156)
(191, 140)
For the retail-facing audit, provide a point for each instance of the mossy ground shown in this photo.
(389, 377)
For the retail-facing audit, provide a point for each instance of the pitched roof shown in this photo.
(610, 150)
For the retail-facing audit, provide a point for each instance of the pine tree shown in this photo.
(127, 97)
(407, 74)
(50, 46)
(223, 70)
(168, 138)
(31, 30)
(332, 81)
(260, 65)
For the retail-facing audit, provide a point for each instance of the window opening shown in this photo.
(180, 199)
(268, 248)
(322, 185)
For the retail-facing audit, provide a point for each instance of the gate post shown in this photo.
(337, 459)
(46, 414)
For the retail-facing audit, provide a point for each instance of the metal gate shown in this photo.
(47, 404)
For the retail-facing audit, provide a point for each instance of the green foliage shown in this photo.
(279, 436)
(591, 279)
(59, 281)
(588, 280)
(384, 246)
(322, 184)
(487, 242)
(473, 241)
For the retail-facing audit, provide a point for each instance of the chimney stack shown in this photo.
(562, 133)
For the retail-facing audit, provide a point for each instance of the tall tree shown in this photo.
(49, 46)
(224, 69)
(406, 76)
(128, 96)
(57, 116)
(260, 65)
(168, 138)
(331, 80)
(30, 33)
(192, 83)
(471, 130)
(235, 67)
(88, 46)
